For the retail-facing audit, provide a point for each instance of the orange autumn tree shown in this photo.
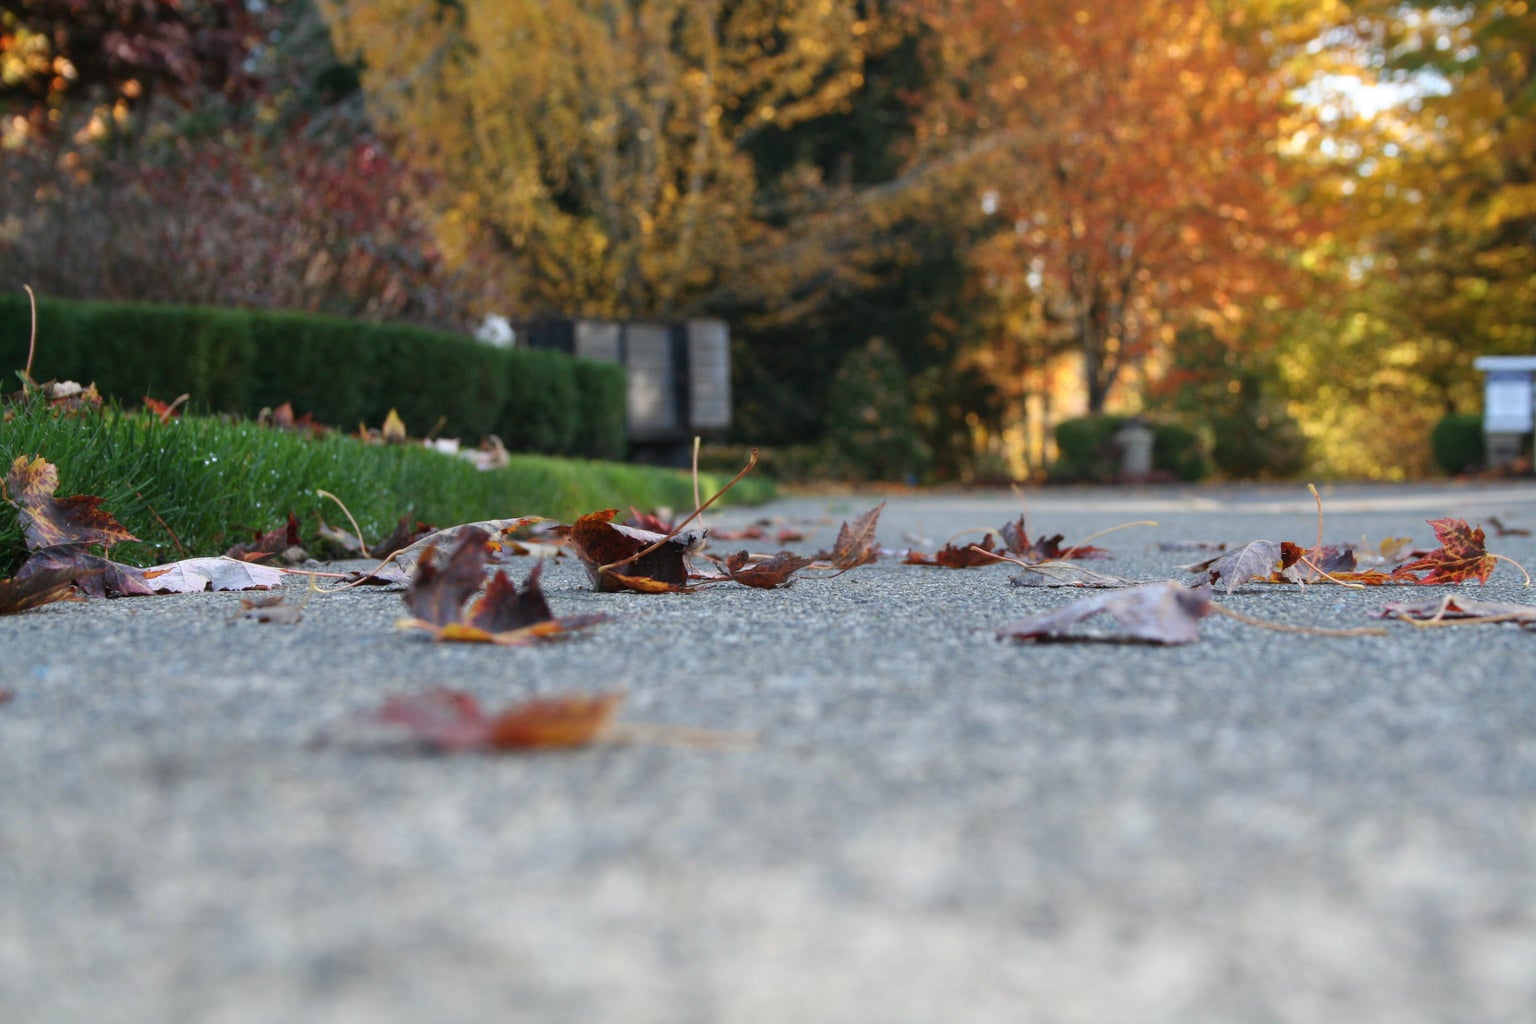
(601, 144)
(1128, 152)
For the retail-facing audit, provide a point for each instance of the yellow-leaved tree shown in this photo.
(600, 145)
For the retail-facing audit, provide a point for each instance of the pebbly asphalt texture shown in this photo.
(917, 823)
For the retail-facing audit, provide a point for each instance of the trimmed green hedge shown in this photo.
(344, 372)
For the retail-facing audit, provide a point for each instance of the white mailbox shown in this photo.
(1509, 404)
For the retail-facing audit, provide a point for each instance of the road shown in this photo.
(912, 821)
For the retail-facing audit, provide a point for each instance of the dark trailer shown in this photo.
(679, 377)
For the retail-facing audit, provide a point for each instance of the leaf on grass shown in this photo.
(1459, 609)
(609, 551)
(1157, 613)
(503, 614)
(1256, 560)
(855, 544)
(18, 595)
(270, 608)
(195, 575)
(394, 431)
(1460, 557)
(765, 573)
(49, 521)
(451, 721)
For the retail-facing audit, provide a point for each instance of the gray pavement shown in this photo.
(931, 826)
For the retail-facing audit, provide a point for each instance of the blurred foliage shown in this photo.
(1042, 207)
(872, 430)
(1237, 399)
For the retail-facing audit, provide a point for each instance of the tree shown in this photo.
(1129, 155)
(111, 59)
(602, 144)
(1446, 179)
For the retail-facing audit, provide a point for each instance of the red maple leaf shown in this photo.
(1460, 557)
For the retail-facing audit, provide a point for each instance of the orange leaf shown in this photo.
(548, 722)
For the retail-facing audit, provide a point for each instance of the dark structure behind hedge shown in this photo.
(342, 371)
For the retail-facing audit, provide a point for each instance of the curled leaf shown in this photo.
(617, 556)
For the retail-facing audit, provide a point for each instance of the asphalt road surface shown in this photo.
(904, 819)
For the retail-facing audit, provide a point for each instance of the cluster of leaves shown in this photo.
(456, 590)
(197, 485)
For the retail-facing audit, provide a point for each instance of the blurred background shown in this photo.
(956, 241)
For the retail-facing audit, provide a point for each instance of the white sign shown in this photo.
(1507, 403)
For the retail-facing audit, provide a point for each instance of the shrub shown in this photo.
(1179, 452)
(1086, 449)
(602, 395)
(540, 410)
(344, 372)
(871, 430)
(1458, 444)
(1088, 452)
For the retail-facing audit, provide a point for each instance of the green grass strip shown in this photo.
(214, 483)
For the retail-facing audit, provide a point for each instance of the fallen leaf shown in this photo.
(164, 411)
(401, 537)
(1191, 545)
(1314, 564)
(1500, 530)
(195, 575)
(49, 521)
(1460, 557)
(400, 566)
(855, 544)
(19, 595)
(766, 573)
(1458, 609)
(503, 614)
(452, 721)
(269, 608)
(1158, 613)
(1068, 574)
(1043, 549)
(609, 550)
(1255, 560)
(441, 585)
(92, 574)
(267, 545)
(950, 556)
(394, 431)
